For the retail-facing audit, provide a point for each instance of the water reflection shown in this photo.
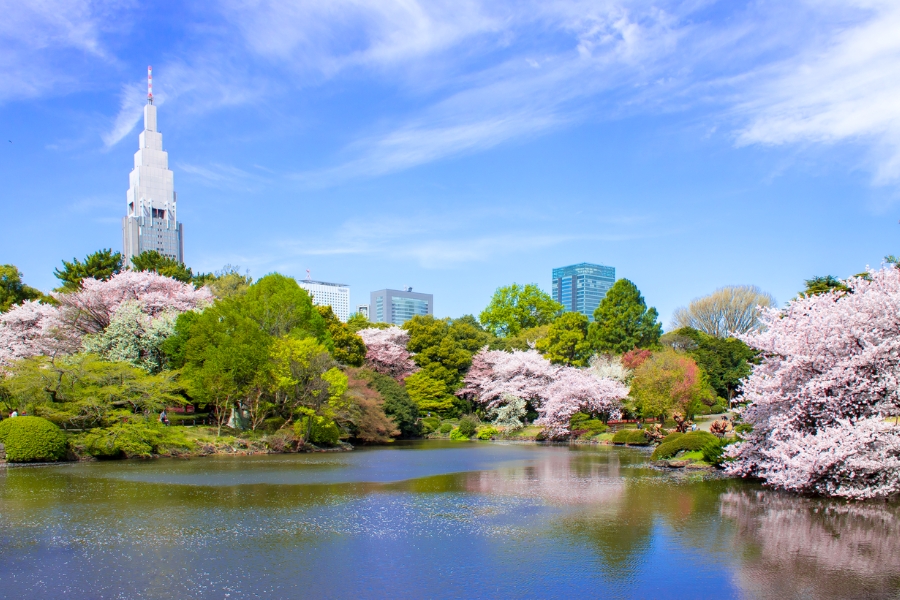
(431, 520)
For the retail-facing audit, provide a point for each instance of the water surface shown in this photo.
(431, 520)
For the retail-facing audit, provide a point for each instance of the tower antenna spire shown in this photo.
(150, 85)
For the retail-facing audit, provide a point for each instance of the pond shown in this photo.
(431, 520)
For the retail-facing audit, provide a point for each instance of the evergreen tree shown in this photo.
(151, 260)
(12, 290)
(100, 265)
(567, 343)
(623, 322)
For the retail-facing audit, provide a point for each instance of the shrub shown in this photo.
(586, 425)
(488, 432)
(272, 424)
(32, 439)
(713, 452)
(695, 440)
(467, 426)
(282, 440)
(446, 428)
(137, 439)
(634, 437)
(457, 436)
(671, 437)
(430, 424)
(324, 431)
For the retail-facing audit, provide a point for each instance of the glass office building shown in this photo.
(398, 307)
(581, 287)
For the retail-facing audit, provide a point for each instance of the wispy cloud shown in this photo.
(225, 177)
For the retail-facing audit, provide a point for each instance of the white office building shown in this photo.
(151, 223)
(363, 309)
(335, 295)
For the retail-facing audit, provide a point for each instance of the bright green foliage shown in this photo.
(356, 322)
(226, 283)
(398, 405)
(583, 422)
(487, 433)
(669, 382)
(100, 265)
(458, 436)
(467, 426)
(430, 424)
(281, 307)
(135, 439)
(724, 361)
(12, 290)
(634, 437)
(446, 428)
(428, 393)
(444, 348)
(714, 451)
(515, 307)
(151, 260)
(85, 391)
(318, 430)
(32, 439)
(349, 348)
(526, 339)
(566, 342)
(133, 337)
(623, 322)
(174, 347)
(822, 285)
(694, 440)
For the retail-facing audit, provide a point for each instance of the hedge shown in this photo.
(694, 440)
(32, 439)
(634, 437)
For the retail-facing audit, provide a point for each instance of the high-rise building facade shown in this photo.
(335, 295)
(581, 287)
(363, 309)
(398, 307)
(152, 222)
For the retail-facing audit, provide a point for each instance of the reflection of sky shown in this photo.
(473, 520)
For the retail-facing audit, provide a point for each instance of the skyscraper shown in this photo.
(581, 287)
(151, 223)
(398, 307)
(335, 295)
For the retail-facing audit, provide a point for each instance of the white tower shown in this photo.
(151, 223)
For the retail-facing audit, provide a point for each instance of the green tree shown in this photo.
(12, 290)
(823, 284)
(349, 348)
(225, 283)
(397, 403)
(151, 260)
(566, 342)
(429, 394)
(444, 348)
(100, 265)
(281, 307)
(623, 322)
(726, 362)
(515, 307)
(524, 340)
(669, 382)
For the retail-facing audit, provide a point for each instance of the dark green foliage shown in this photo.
(824, 284)
(446, 428)
(136, 439)
(430, 424)
(101, 265)
(397, 404)
(12, 290)
(634, 437)
(581, 422)
(724, 361)
(32, 439)
(273, 424)
(694, 440)
(671, 437)
(713, 451)
(467, 426)
(566, 342)
(623, 322)
(349, 348)
(324, 431)
(151, 260)
(175, 346)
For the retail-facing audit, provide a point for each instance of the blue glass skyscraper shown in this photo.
(581, 287)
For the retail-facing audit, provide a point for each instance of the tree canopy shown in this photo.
(727, 311)
(100, 265)
(567, 341)
(623, 322)
(151, 260)
(515, 307)
(725, 361)
(13, 290)
(823, 284)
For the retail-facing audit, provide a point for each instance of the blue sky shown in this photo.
(459, 146)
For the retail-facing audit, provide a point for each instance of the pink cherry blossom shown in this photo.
(33, 328)
(575, 390)
(820, 400)
(386, 352)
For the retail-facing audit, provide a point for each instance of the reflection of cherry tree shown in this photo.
(820, 547)
(817, 403)
(386, 352)
(556, 392)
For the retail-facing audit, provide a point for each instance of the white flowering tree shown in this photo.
(133, 336)
(823, 403)
(386, 352)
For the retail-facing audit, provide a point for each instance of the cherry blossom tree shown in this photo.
(577, 390)
(386, 352)
(42, 329)
(821, 401)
